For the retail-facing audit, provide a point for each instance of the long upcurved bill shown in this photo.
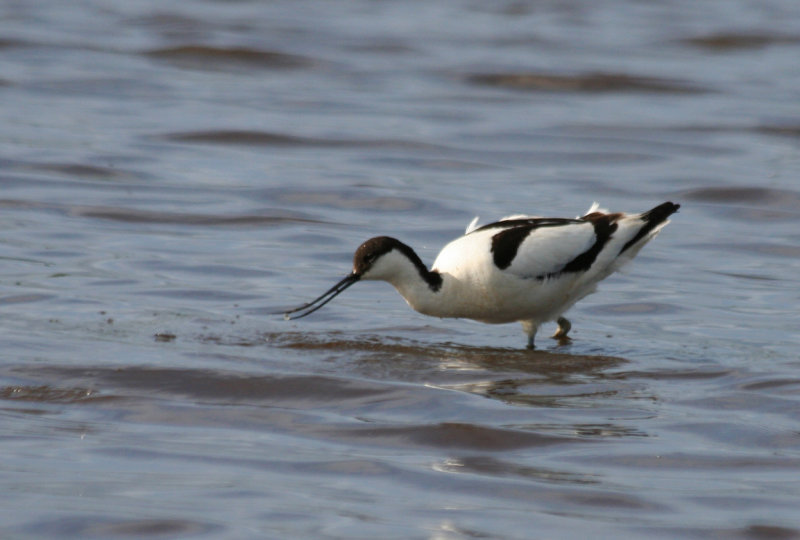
(314, 305)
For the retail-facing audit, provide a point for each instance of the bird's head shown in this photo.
(373, 260)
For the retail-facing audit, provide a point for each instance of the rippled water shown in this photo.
(174, 173)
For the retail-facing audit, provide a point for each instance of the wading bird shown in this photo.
(521, 268)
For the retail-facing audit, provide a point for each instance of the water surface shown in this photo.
(173, 174)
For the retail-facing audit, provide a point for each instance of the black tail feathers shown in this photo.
(652, 219)
(660, 213)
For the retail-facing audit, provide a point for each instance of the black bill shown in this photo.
(314, 305)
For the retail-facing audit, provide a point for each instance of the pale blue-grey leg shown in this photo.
(530, 328)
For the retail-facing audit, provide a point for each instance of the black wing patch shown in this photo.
(604, 227)
(506, 243)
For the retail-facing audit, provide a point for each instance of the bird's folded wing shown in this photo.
(539, 252)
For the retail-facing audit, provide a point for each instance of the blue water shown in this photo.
(171, 175)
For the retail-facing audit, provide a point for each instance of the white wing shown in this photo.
(545, 251)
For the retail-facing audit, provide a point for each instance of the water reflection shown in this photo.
(496, 467)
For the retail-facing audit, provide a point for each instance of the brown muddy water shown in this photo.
(172, 173)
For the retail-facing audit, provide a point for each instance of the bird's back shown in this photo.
(536, 268)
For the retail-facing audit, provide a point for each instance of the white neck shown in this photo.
(421, 288)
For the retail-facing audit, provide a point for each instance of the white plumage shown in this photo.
(521, 268)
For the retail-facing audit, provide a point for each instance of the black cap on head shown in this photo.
(371, 250)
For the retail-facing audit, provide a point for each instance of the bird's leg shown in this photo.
(530, 328)
(564, 326)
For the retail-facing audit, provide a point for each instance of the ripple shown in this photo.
(786, 386)
(164, 337)
(49, 394)
(349, 200)
(9, 43)
(89, 526)
(775, 250)
(739, 275)
(118, 88)
(733, 434)
(266, 138)
(697, 374)
(492, 466)
(201, 384)
(25, 298)
(132, 215)
(742, 194)
(749, 202)
(197, 295)
(80, 170)
(598, 82)
(771, 250)
(455, 435)
(175, 26)
(635, 308)
(751, 532)
(786, 130)
(781, 129)
(726, 41)
(208, 58)
(166, 266)
(695, 462)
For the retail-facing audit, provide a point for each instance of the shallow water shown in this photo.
(173, 174)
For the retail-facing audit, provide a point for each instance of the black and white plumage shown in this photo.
(521, 268)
